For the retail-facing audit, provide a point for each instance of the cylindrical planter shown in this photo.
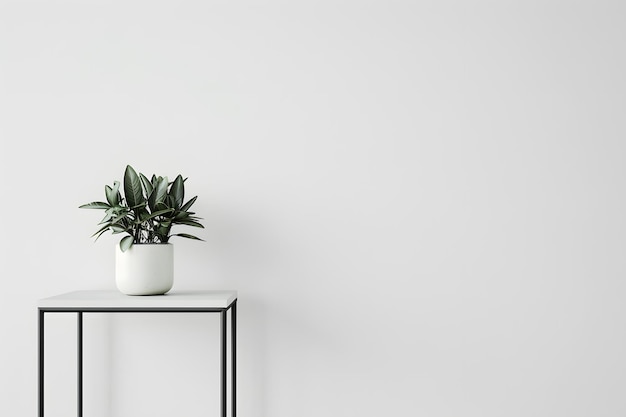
(145, 269)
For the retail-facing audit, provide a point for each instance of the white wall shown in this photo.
(421, 203)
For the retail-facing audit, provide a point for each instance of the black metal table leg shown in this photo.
(80, 364)
(223, 359)
(233, 358)
(41, 365)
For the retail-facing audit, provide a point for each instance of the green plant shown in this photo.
(147, 210)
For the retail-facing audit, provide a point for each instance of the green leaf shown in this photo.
(162, 206)
(118, 218)
(107, 192)
(147, 185)
(99, 234)
(177, 191)
(158, 194)
(95, 205)
(144, 215)
(188, 204)
(126, 243)
(188, 236)
(189, 222)
(171, 202)
(112, 194)
(116, 228)
(158, 213)
(107, 218)
(181, 215)
(132, 188)
(109, 213)
(101, 230)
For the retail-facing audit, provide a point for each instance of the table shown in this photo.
(80, 302)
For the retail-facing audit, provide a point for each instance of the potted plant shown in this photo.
(145, 212)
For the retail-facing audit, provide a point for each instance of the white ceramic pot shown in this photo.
(145, 269)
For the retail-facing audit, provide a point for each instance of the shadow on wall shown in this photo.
(253, 357)
(241, 253)
(247, 259)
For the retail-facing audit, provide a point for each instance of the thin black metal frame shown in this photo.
(80, 310)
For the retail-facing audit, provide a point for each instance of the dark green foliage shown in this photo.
(147, 210)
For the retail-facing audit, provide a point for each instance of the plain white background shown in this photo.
(421, 203)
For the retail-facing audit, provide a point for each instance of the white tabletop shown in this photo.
(115, 299)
